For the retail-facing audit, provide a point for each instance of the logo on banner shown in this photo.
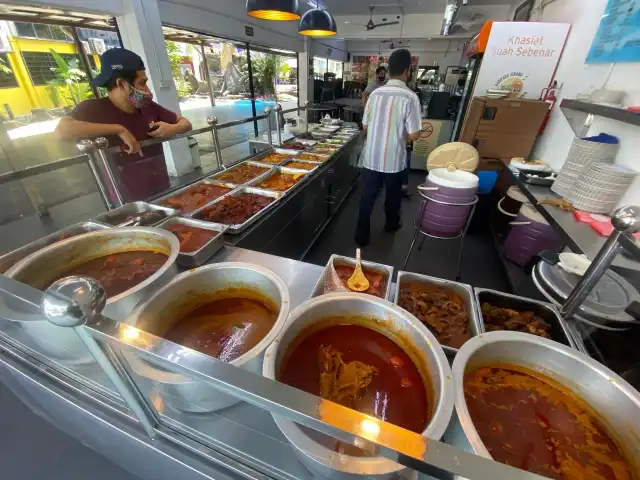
(513, 82)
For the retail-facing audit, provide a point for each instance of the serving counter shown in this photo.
(161, 409)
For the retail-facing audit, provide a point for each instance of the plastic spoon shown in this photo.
(358, 282)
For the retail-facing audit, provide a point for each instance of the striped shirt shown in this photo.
(392, 112)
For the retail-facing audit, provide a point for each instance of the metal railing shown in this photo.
(98, 149)
(94, 153)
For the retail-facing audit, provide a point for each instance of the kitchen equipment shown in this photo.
(10, 259)
(559, 329)
(617, 402)
(574, 263)
(53, 261)
(327, 463)
(508, 208)
(358, 282)
(170, 303)
(605, 305)
(131, 214)
(200, 256)
(385, 270)
(530, 234)
(535, 177)
(464, 290)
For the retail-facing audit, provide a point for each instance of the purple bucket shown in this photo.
(457, 190)
(525, 241)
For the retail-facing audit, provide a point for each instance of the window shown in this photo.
(335, 67)
(41, 65)
(319, 67)
(43, 31)
(7, 79)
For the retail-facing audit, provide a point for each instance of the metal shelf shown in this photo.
(580, 114)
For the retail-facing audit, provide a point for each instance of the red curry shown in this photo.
(527, 422)
(191, 238)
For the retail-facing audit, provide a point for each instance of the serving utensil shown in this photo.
(358, 282)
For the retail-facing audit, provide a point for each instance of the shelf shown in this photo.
(580, 115)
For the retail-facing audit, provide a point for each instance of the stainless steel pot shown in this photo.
(54, 261)
(182, 295)
(617, 402)
(327, 463)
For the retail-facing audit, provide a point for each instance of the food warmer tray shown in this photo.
(385, 270)
(291, 171)
(560, 331)
(476, 326)
(239, 228)
(248, 162)
(132, 209)
(315, 165)
(266, 153)
(208, 250)
(10, 259)
(161, 200)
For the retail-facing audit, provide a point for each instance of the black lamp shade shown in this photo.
(274, 9)
(317, 23)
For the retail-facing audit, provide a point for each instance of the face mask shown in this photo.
(381, 79)
(138, 98)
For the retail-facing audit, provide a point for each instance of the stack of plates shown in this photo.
(600, 187)
(582, 154)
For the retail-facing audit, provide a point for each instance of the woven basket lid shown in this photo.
(454, 156)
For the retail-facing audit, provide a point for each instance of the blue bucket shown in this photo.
(487, 181)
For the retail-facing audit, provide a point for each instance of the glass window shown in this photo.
(319, 67)
(335, 67)
(42, 66)
(43, 31)
(25, 29)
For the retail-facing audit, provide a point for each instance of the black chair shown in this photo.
(438, 107)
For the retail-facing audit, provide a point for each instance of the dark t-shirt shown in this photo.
(141, 176)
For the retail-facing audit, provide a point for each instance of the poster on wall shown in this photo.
(363, 69)
(521, 57)
(618, 36)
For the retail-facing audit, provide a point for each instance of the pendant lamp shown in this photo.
(317, 23)
(274, 9)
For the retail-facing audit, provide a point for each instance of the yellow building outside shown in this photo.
(27, 96)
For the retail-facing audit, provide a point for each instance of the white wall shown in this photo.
(444, 52)
(577, 77)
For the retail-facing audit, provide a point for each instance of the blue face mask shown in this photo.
(138, 98)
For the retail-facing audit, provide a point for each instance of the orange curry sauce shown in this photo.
(528, 421)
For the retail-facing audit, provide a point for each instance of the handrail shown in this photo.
(42, 168)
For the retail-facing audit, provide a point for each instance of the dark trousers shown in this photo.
(371, 182)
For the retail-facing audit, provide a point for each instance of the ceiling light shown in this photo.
(274, 9)
(317, 23)
(346, 21)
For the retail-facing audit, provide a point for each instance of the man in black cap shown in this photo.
(127, 116)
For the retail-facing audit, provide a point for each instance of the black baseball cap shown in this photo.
(117, 60)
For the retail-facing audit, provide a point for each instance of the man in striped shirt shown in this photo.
(391, 117)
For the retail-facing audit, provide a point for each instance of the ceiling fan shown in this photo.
(399, 44)
(371, 26)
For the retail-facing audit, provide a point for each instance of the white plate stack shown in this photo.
(600, 187)
(582, 154)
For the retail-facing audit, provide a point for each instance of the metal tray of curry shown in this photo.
(242, 173)
(193, 197)
(199, 240)
(8, 260)
(254, 203)
(448, 309)
(276, 156)
(506, 312)
(371, 271)
(283, 179)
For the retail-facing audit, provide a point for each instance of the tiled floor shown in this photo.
(481, 265)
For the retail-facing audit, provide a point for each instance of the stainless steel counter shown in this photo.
(579, 236)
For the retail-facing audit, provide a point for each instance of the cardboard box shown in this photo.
(503, 128)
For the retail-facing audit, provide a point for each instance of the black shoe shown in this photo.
(405, 192)
(390, 229)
